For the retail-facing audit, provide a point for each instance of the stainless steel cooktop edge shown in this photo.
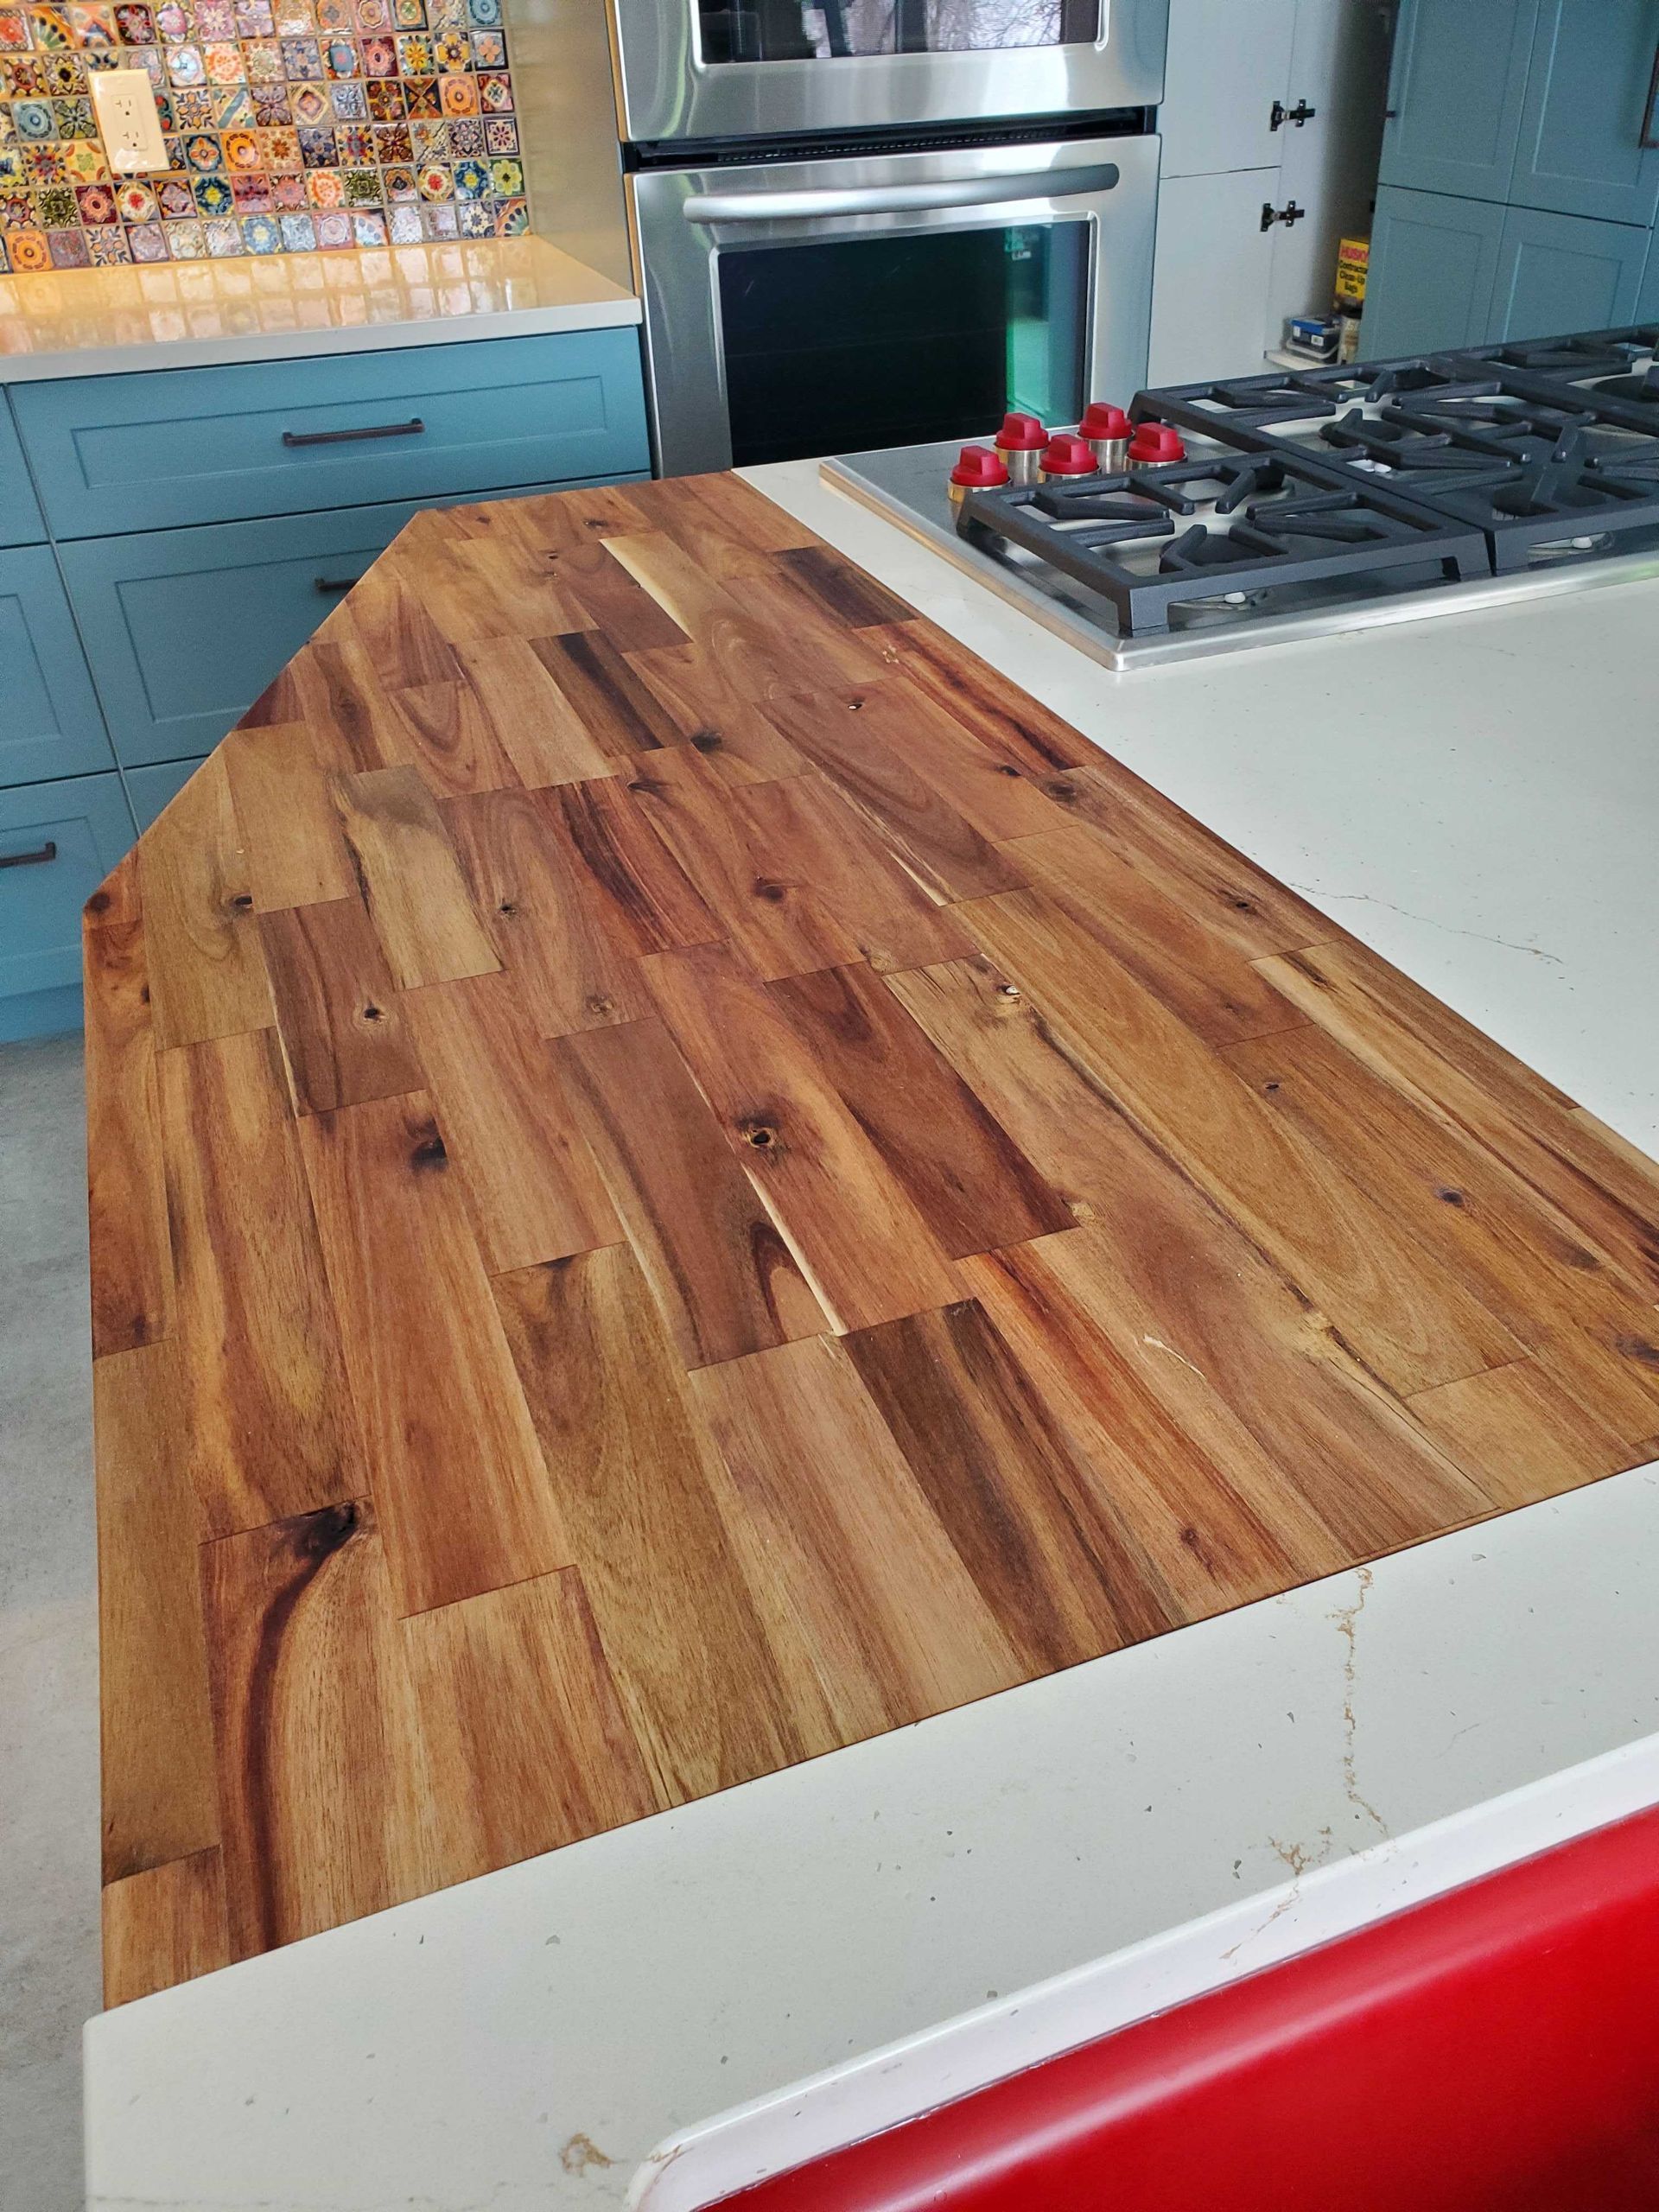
(1124, 656)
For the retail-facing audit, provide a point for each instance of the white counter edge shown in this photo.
(298, 344)
(846, 2104)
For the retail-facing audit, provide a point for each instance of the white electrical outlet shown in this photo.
(128, 121)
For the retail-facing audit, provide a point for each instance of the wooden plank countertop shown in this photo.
(680, 1175)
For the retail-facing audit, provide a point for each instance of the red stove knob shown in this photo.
(1101, 420)
(1019, 440)
(978, 469)
(1156, 442)
(1067, 454)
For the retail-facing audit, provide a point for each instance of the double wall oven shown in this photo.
(864, 223)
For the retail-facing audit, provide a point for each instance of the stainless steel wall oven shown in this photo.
(869, 222)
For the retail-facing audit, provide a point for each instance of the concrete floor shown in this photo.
(48, 1630)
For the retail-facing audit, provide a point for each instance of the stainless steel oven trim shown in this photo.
(664, 88)
(686, 383)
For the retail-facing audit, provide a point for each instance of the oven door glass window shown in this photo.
(844, 345)
(830, 30)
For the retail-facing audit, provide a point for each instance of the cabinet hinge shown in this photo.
(1279, 114)
(1289, 213)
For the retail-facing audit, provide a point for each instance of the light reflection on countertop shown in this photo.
(199, 314)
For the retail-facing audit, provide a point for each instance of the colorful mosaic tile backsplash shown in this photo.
(292, 126)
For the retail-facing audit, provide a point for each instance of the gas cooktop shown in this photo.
(1314, 500)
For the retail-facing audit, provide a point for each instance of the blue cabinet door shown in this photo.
(49, 722)
(20, 514)
(1559, 272)
(1455, 96)
(1433, 263)
(58, 841)
(173, 448)
(1580, 150)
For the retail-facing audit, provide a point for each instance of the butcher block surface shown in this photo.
(681, 1175)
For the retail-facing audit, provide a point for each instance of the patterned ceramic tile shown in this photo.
(290, 125)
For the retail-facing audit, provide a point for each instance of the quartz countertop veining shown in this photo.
(201, 314)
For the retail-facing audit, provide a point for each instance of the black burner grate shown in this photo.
(1276, 523)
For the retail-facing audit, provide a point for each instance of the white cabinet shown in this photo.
(1222, 286)
(1229, 61)
(1211, 275)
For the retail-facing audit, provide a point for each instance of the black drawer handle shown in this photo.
(48, 852)
(412, 428)
(334, 583)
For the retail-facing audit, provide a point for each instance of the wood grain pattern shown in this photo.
(969, 1180)
(409, 878)
(285, 807)
(534, 1189)
(538, 728)
(681, 1174)
(163, 1926)
(157, 1745)
(523, 1738)
(724, 1279)
(781, 927)
(311, 1725)
(629, 1463)
(874, 1619)
(454, 1464)
(813, 836)
(269, 1426)
(1046, 1545)
(342, 1031)
(942, 850)
(557, 936)
(207, 978)
(860, 1239)
(1413, 1323)
(126, 1194)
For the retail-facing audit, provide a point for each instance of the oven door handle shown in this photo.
(896, 199)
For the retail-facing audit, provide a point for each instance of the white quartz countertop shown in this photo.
(1477, 798)
(181, 315)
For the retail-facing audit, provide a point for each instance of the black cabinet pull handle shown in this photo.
(48, 852)
(412, 428)
(334, 583)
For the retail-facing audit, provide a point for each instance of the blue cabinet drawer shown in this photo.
(151, 789)
(156, 451)
(49, 722)
(58, 841)
(20, 513)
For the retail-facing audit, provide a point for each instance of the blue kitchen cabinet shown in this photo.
(1435, 261)
(49, 721)
(1578, 151)
(1559, 272)
(1456, 93)
(58, 841)
(178, 447)
(20, 513)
